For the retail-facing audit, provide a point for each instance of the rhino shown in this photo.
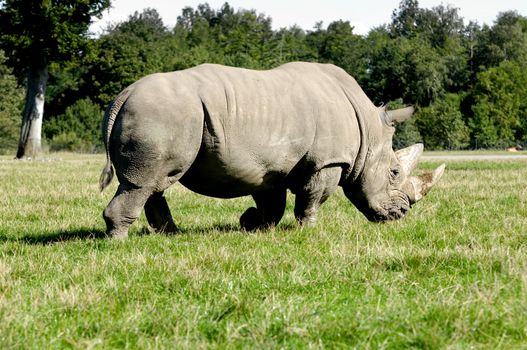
(228, 132)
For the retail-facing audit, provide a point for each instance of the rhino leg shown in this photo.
(158, 214)
(270, 207)
(123, 209)
(316, 190)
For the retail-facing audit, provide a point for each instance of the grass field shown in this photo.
(452, 274)
(476, 152)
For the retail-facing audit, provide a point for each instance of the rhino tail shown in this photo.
(106, 176)
(107, 125)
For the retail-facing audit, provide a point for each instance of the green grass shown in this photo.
(475, 152)
(452, 274)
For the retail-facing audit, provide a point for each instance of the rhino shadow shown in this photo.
(95, 234)
(197, 229)
(222, 227)
(64, 236)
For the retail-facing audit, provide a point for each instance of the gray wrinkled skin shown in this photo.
(229, 132)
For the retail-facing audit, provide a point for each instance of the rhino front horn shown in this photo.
(418, 186)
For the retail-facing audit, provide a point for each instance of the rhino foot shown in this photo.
(158, 214)
(123, 209)
(118, 234)
(307, 221)
(270, 207)
(252, 219)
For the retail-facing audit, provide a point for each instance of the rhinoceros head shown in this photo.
(384, 189)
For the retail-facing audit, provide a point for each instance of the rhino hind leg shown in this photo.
(315, 191)
(270, 207)
(158, 214)
(124, 208)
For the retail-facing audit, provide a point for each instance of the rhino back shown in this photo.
(260, 125)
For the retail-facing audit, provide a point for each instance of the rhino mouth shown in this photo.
(394, 208)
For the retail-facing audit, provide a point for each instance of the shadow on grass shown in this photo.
(190, 230)
(93, 234)
(60, 236)
(231, 228)
(220, 227)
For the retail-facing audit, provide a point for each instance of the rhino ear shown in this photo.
(399, 115)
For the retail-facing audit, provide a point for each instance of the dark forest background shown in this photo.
(468, 81)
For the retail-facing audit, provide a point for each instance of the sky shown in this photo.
(363, 15)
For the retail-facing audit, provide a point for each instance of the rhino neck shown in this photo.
(369, 126)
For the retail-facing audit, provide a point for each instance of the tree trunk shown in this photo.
(30, 134)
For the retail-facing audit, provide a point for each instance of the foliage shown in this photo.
(288, 45)
(443, 277)
(421, 57)
(10, 106)
(78, 127)
(499, 105)
(37, 32)
(441, 124)
(70, 141)
(407, 68)
(418, 57)
(237, 38)
(407, 133)
(128, 51)
(506, 40)
(339, 45)
(242, 35)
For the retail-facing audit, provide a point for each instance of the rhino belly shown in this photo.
(216, 176)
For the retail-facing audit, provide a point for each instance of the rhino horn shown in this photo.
(399, 115)
(417, 187)
(409, 156)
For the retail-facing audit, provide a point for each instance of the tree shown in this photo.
(407, 68)
(287, 45)
(243, 36)
(441, 124)
(35, 33)
(128, 51)
(506, 40)
(499, 105)
(405, 19)
(339, 45)
(440, 25)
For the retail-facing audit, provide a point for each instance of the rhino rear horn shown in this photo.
(418, 186)
(409, 156)
(399, 115)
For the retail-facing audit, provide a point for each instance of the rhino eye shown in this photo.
(394, 172)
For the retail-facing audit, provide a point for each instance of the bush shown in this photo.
(441, 124)
(69, 141)
(10, 108)
(9, 131)
(78, 129)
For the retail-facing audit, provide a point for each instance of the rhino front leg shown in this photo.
(270, 207)
(315, 192)
(158, 214)
(123, 209)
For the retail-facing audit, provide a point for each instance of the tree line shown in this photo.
(468, 81)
